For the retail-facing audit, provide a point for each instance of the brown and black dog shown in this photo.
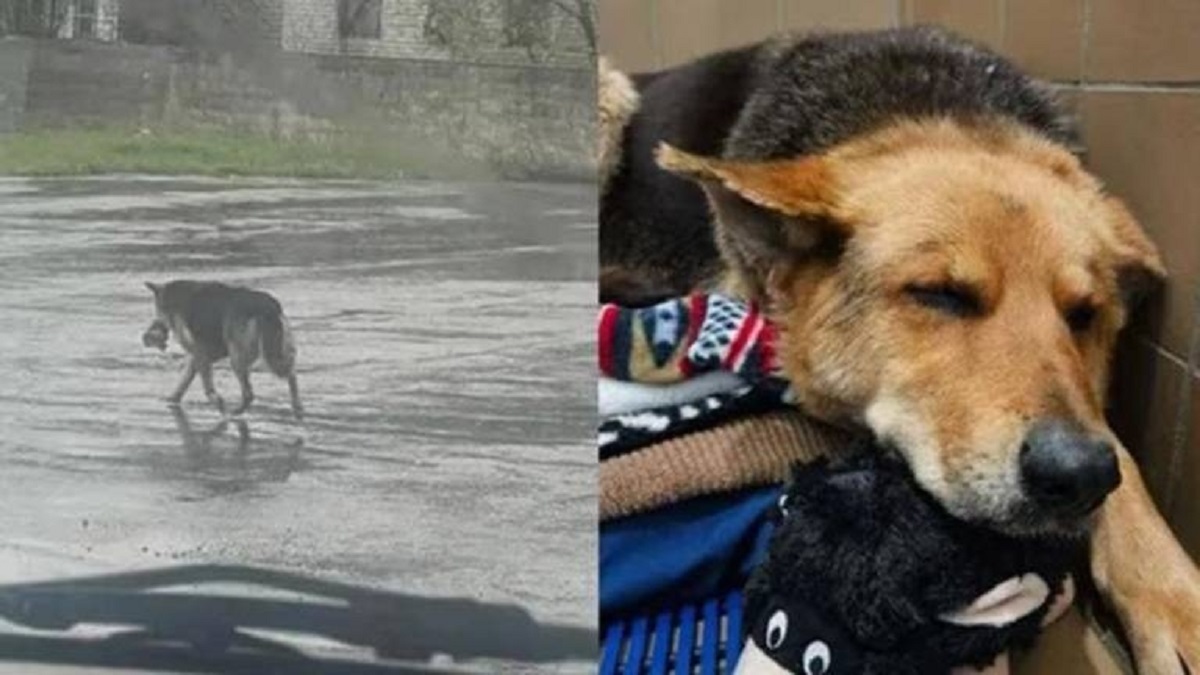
(944, 272)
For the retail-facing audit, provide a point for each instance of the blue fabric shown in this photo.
(611, 654)
(685, 552)
(675, 639)
(637, 647)
(712, 636)
(687, 641)
(733, 632)
(662, 644)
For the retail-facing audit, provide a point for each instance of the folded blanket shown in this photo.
(745, 453)
(618, 397)
(677, 379)
(680, 366)
(683, 553)
(697, 436)
(629, 431)
(678, 339)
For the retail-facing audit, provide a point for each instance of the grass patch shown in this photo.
(222, 153)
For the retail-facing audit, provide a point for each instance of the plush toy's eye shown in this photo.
(782, 504)
(816, 658)
(777, 629)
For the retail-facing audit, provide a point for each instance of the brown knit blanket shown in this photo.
(748, 452)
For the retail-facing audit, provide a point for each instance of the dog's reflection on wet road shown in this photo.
(236, 460)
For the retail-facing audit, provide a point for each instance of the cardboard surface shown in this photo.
(1073, 645)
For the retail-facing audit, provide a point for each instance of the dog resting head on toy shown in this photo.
(867, 574)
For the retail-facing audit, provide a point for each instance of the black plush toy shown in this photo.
(867, 574)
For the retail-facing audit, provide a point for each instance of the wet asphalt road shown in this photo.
(445, 363)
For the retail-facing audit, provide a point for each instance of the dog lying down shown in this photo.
(867, 574)
(912, 212)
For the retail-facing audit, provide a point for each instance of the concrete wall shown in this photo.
(514, 117)
(519, 118)
(83, 82)
(14, 72)
(1131, 71)
(242, 26)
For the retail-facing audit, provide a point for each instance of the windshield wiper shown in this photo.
(192, 632)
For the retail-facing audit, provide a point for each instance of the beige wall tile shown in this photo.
(626, 34)
(1070, 98)
(1146, 147)
(1045, 37)
(691, 28)
(1144, 40)
(840, 14)
(976, 19)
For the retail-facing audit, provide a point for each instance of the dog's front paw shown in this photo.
(1163, 627)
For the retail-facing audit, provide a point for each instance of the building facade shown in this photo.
(540, 32)
(518, 31)
(94, 19)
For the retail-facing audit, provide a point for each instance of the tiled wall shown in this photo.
(1131, 70)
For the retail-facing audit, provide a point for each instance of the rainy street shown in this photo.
(445, 364)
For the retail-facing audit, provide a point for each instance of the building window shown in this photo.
(360, 18)
(85, 19)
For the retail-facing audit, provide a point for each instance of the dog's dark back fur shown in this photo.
(786, 98)
(208, 306)
(692, 106)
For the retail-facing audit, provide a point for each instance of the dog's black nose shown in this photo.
(1065, 471)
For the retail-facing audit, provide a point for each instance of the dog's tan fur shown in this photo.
(835, 244)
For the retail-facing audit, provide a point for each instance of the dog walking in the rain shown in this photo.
(211, 321)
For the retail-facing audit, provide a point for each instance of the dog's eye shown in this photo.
(1081, 317)
(946, 298)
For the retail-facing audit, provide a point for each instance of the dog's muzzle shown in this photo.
(156, 336)
(1066, 471)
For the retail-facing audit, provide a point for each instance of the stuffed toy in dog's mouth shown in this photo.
(867, 574)
(156, 336)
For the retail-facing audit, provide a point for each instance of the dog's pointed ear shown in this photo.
(767, 213)
(154, 288)
(1139, 267)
